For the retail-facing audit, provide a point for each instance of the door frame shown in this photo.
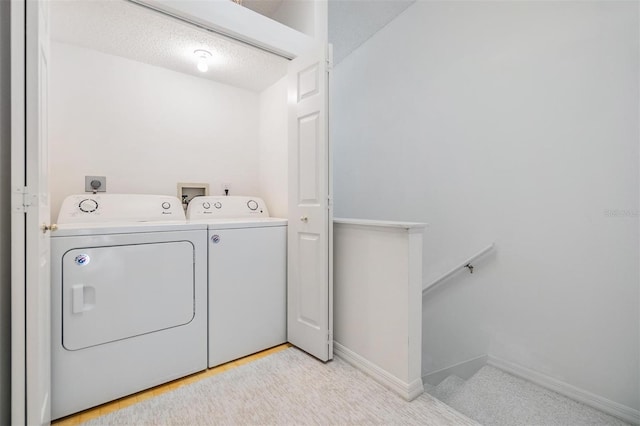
(18, 215)
(30, 215)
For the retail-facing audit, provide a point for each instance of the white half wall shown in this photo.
(513, 122)
(377, 284)
(5, 213)
(146, 128)
(273, 169)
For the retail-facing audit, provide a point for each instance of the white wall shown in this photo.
(513, 122)
(273, 169)
(297, 14)
(146, 128)
(5, 216)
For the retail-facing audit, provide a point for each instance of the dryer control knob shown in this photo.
(252, 204)
(206, 205)
(166, 205)
(88, 205)
(217, 205)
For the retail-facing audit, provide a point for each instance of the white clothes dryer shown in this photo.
(247, 252)
(129, 307)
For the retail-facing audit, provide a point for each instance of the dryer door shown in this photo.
(118, 292)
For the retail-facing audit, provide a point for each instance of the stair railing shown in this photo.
(466, 264)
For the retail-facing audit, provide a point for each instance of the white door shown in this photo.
(309, 292)
(30, 291)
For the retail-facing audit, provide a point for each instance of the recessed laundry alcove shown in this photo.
(128, 102)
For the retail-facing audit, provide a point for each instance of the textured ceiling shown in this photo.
(352, 22)
(121, 28)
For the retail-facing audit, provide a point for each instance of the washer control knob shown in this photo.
(166, 205)
(252, 204)
(206, 205)
(88, 205)
(217, 205)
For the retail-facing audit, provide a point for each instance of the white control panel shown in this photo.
(93, 208)
(222, 207)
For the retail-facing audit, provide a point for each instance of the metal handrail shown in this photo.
(466, 264)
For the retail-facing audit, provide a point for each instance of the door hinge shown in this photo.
(23, 199)
(329, 337)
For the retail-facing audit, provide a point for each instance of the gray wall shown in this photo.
(513, 122)
(5, 216)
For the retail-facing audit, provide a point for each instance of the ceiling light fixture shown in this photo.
(203, 57)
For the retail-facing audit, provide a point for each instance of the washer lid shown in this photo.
(237, 223)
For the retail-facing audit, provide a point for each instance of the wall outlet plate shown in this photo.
(95, 183)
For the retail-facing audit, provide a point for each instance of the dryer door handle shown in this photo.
(83, 298)
(77, 298)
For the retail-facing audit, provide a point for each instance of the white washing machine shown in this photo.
(247, 275)
(129, 306)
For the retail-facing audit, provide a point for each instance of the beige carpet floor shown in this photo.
(494, 397)
(286, 388)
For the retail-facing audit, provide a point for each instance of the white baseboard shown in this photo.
(603, 404)
(408, 391)
(464, 370)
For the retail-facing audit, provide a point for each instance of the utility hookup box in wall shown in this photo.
(186, 192)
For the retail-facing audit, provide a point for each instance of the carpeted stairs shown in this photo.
(495, 398)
